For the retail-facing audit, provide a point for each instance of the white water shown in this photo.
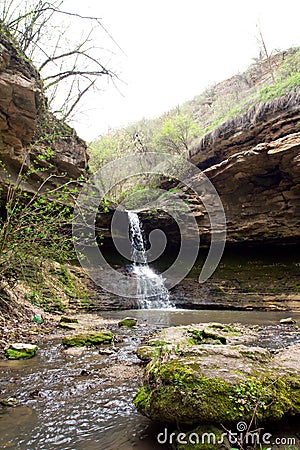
(151, 291)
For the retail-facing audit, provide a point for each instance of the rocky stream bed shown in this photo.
(70, 397)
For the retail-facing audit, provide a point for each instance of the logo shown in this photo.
(243, 438)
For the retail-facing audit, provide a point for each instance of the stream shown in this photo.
(82, 400)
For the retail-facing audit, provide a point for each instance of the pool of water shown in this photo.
(173, 317)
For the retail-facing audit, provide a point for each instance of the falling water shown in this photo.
(151, 290)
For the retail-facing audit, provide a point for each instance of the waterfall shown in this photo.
(151, 290)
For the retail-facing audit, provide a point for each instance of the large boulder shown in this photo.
(214, 373)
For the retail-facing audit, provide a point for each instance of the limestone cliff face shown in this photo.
(259, 187)
(20, 91)
(28, 131)
(254, 163)
(262, 123)
(260, 191)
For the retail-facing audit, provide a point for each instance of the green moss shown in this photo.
(127, 322)
(293, 384)
(183, 396)
(11, 353)
(69, 285)
(226, 328)
(44, 296)
(147, 353)
(270, 399)
(142, 398)
(202, 336)
(95, 338)
(54, 289)
(175, 393)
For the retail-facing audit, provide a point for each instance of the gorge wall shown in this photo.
(29, 133)
(253, 159)
(253, 162)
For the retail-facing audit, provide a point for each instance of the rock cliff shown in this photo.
(253, 161)
(29, 133)
(260, 191)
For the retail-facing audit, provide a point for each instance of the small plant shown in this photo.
(248, 396)
(33, 298)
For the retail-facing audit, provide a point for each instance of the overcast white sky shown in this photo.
(175, 49)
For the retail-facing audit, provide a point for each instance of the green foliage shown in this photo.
(201, 336)
(176, 133)
(251, 394)
(105, 203)
(34, 227)
(260, 396)
(103, 150)
(280, 88)
(177, 392)
(290, 65)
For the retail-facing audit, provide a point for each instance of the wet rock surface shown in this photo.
(259, 187)
(257, 176)
(214, 373)
(257, 279)
(81, 397)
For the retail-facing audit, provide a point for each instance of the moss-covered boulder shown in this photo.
(87, 339)
(189, 383)
(128, 322)
(20, 350)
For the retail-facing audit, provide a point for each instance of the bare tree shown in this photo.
(264, 51)
(68, 61)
